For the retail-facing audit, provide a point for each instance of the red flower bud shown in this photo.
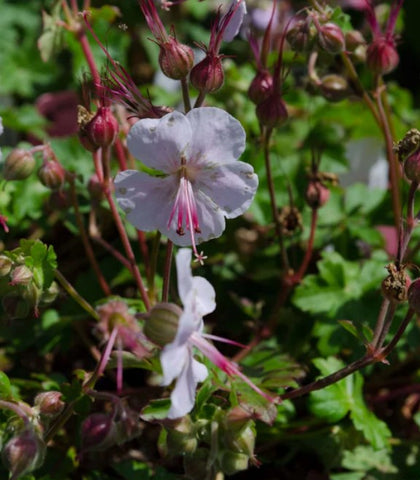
(23, 453)
(175, 59)
(98, 432)
(316, 194)
(207, 76)
(102, 130)
(260, 87)
(18, 165)
(272, 112)
(382, 56)
(49, 403)
(412, 167)
(331, 38)
(301, 36)
(52, 174)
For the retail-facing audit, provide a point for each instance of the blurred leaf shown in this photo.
(156, 410)
(5, 387)
(51, 38)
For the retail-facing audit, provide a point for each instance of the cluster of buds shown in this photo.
(408, 151)
(222, 443)
(20, 292)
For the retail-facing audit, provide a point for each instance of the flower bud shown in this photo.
(182, 439)
(51, 293)
(412, 167)
(23, 453)
(413, 295)
(162, 323)
(260, 87)
(175, 59)
(233, 462)
(207, 76)
(52, 174)
(49, 403)
(98, 432)
(382, 56)
(301, 36)
(316, 194)
(5, 265)
(21, 275)
(272, 112)
(102, 130)
(18, 165)
(334, 87)
(394, 286)
(409, 144)
(354, 39)
(331, 38)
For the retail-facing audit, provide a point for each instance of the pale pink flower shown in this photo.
(177, 360)
(200, 180)
(236, 12)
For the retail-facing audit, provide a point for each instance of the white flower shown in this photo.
(237, 10)
(202, 181)
(198, 298)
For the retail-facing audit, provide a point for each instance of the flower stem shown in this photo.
(85, 240)
(185, 94)
(74, 294)
(167, 272)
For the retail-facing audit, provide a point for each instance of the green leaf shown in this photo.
(5, 387)
(156, 410)
(364, 458)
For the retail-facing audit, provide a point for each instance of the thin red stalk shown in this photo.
(383, 311)
(119, 150)
(85, 240)
(144, 250)
(87, 52)
(121, 230)
(97, 238)
(185, 94)
(309, 249)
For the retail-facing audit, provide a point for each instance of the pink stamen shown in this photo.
(185, 208)
(3, 223)
(230, 368)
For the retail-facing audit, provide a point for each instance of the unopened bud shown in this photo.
(394, 286)
(207, 76)
(316, 194)
(272, 112)
(233, 462)
(412, 167)
(5, 265)
(413, 295)
(18, 165)
(260, 87)
(409, 144)
(382, 56)
(49, 403)
(301, 36)
(354, 39)
(334, 87)
(98, 432)
(102, 130)
(52, 174)
(21, 275)
(23, 453)
(182, 439)
(51, 293)
(331, 38)
(175, 59)
(162, 323)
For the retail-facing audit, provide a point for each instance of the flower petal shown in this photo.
(146, 200)
(173, 358)
(183, 395)
(231, 186)
(217, 137)
(159, 143)
(184, 274)
(235, 23)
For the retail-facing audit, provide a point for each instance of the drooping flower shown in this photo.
(202, 181)
(177, 360)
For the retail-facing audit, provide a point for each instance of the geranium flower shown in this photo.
(198, 298)
(201, 180)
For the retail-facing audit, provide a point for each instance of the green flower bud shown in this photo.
(19, 165)
(162, 323)
(5, 265)
(233, 462)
